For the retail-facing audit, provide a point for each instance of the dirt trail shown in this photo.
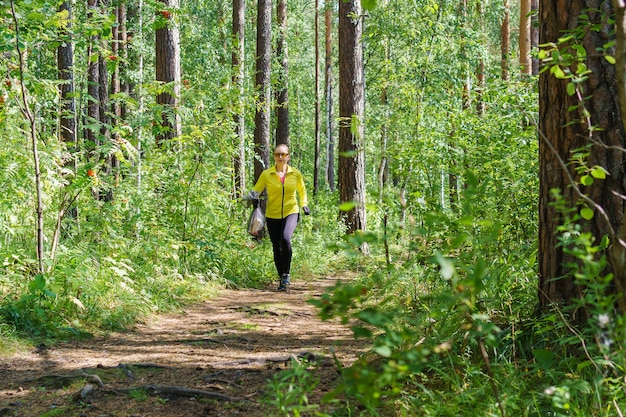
(213, 359)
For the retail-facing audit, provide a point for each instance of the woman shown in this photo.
(282, 212)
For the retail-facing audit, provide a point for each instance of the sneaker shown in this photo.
(284, 283)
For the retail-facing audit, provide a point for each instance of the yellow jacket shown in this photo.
(281, 198)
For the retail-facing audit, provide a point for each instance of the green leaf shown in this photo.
(384, 351)
(571, 89)
(446, 266)
(586, 180)
(586, 213)
(543, 356)
(558, 72)
(362, 332)
(368, 4)
(610, 59)
(38, 283)
(598, 172)
(347, 206)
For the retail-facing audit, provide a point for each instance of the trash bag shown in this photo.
(256, 223)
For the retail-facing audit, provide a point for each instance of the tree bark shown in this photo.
(93, 86)
(168, 70)
(351, 113)
(65, 65)
(505, 42)
(263, 72)
(238, 68)
(282, 94)
(316, 164)
(525, 62)
(563, 130)
(534, 34)
(328, 82)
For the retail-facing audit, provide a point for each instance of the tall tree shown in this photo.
(238, 73)
(617, 251)
(93, 82)
(524, 37)
(351, 113)
(505, 42)
(594, 126)
(316, 164)
(282, 92)
(328, 82)
(263, 72)
(168, 69)
(534, 34)
(65, 66)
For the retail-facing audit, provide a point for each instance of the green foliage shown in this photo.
(288, 391)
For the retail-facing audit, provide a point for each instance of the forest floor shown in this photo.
(212, 359)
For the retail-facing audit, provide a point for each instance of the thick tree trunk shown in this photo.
(562, 132)
(351, 112)
(263, 72)
(238, 68)
(328, 81)
(168, 70)
(282, 94)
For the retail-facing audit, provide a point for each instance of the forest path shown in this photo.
(212, 359)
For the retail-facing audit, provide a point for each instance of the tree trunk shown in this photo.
(617, 251)
(123, 53)
(167, 61)
(316, 164)
(534, 33)
(328, 81)
(351, 112)
(65, 65)
(383, 166)
(505, 42)
(524, 38)
(562, 131)
(238, 68)
(93, 86)
(480, 70)
(282, 94)
(263, 72)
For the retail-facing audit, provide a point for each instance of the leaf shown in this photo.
(348, 154)
(544, 356)
(347, 206)
(362, 332)
(38, 283)
(446, 266)
(586, 180)
(610, 59)
(571, 89)
(78, 303)
(368, 4)
(598, 172)
(384, 351)
(586, 213)
(558, 72)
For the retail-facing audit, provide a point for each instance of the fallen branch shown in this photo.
(307, 356)
(176, 391)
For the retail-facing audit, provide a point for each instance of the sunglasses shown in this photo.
(281, 155)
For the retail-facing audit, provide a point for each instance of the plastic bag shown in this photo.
(256, 223)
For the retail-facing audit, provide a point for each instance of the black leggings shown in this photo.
(280, 231)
